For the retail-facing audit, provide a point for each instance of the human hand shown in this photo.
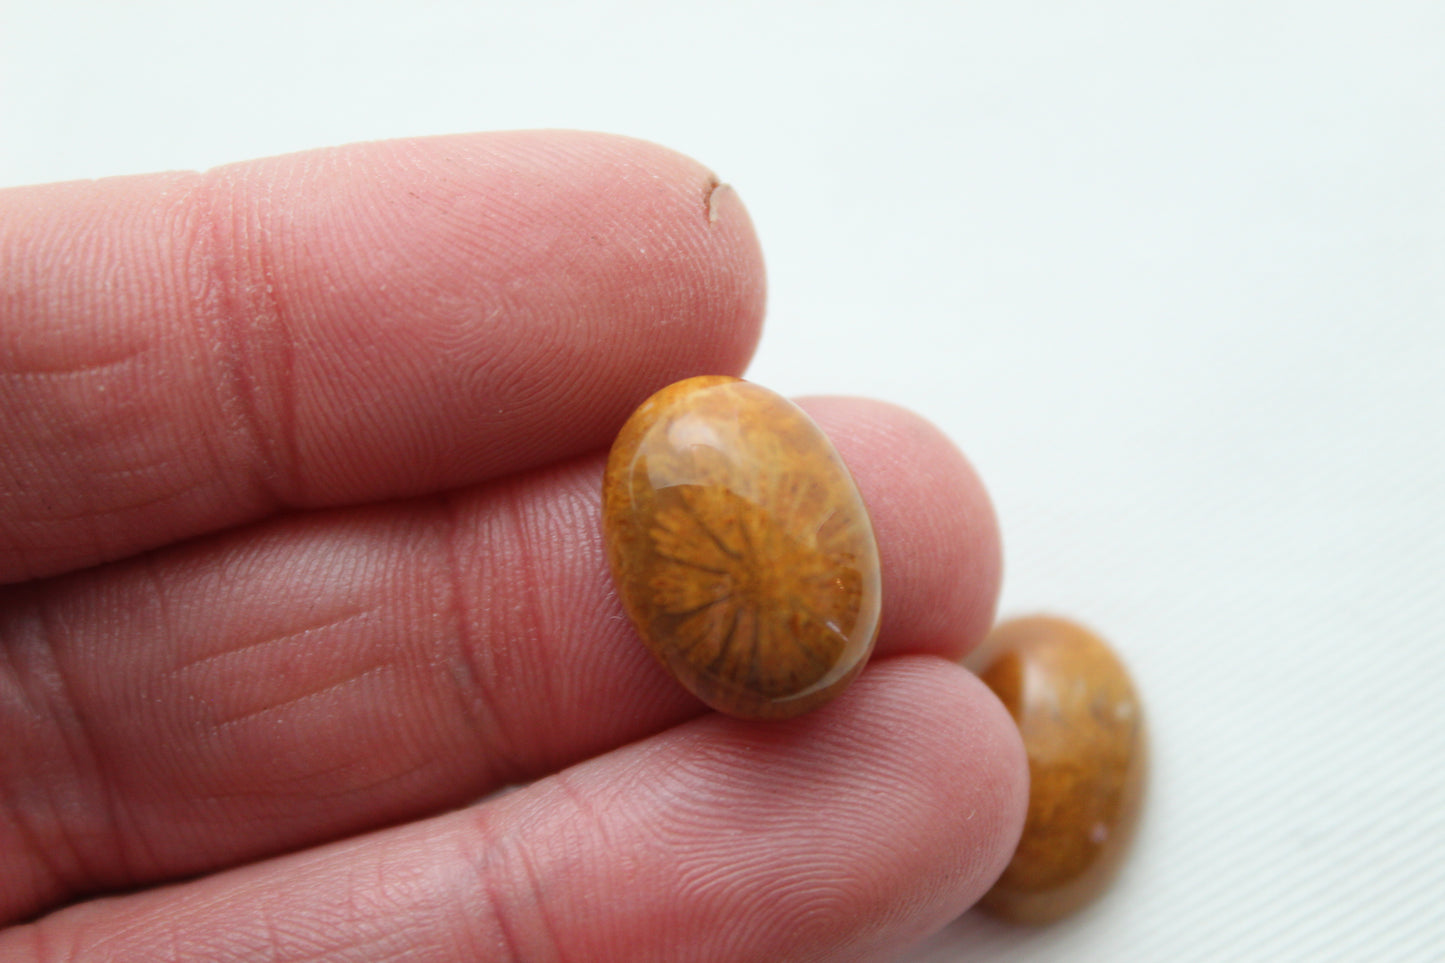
(299, 504)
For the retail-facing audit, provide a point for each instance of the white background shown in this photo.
(1172, 275)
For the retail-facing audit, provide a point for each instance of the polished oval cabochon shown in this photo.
(741, 548)
(1084, 731)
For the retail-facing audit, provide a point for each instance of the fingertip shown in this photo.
(938, 534)
(942, 737)
(845, 833)
(526, 289)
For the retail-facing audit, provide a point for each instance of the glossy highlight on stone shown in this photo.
(1083, 729)
(741, 548)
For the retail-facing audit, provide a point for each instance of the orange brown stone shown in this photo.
(1083, 729)
(741, 548)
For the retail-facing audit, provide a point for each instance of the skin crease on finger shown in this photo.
(327, 673)
(842, 835)
(184, 352)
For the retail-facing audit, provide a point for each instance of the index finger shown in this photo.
(184, 352)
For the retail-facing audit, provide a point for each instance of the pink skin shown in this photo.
(429, 342)
(185, 352)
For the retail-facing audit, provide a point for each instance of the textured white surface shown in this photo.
(1174, 278)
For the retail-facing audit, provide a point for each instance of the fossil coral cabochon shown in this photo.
(741, 549)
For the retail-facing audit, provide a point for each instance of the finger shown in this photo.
(326, 674)
(938, 535)
(184, 352)
(844, 834)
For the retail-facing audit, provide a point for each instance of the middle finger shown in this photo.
(323, 674)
